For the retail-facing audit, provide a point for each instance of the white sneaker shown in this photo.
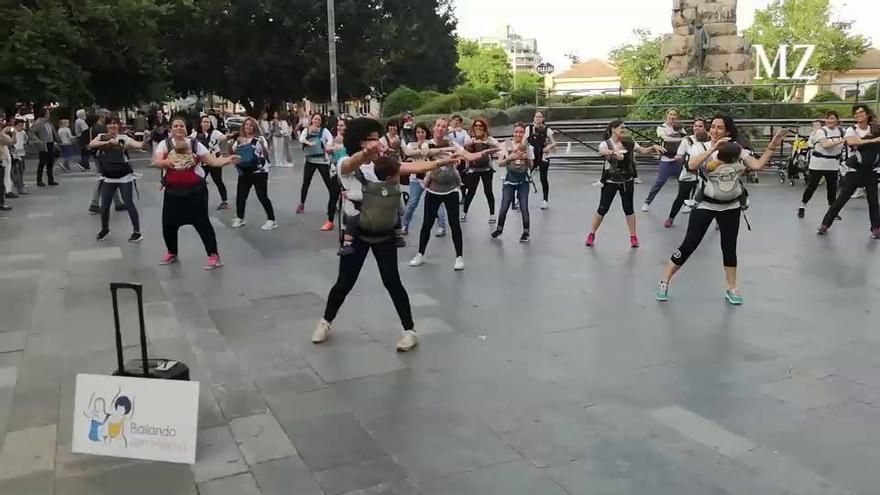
(545, 205)
(690, 203)
(459, 264)
(463, 217)
(238, 222)
(408, 341)
(418, 260)
(685, 209)
(637, 180)
(440, 233)
(270, 225)
(860, 193)
(492, 219)
(646, 207)
(322, 332)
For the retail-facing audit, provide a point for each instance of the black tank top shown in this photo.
(538, 140)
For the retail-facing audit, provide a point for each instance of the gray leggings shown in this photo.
(108, 191)
(667, 170)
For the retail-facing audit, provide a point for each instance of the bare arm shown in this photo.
(650, 150)
(218, 161)
(758, 163)
(696, 160)
(831, 142)
(858, 141)
(550, 147)
(423, 167)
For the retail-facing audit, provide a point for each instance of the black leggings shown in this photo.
(217, 176)
(471, 180)
(686, 191)
(609, 190)
(108, 192)
(260, 182)
(187, 208)
(432, 206)
(349, 269)
(47, 161)
(830, 185)
(332, 185)
(508, 193)
(701, 219)
(543, 167)
(851, 182)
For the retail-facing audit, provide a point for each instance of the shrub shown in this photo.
(487, 93)
(442, 104)
(428, 95)
(690, 99)
(495, 116)
(522, 96)
(873, 92)
(522, 113)
(497, 103)
(825, 96)
(469, 97)
(401, 100)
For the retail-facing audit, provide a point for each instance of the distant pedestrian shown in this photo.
(81, 131)
(67, 143)
(44, 134)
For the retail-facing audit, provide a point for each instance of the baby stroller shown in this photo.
(798, 161)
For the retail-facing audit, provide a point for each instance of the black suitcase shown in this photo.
(163, 369)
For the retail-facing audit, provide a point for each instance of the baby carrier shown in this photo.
(316, 150)
(113, 161)
(248, 158)
(620, 171)
(186, 177)
(378, 209)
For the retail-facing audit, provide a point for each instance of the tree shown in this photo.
(807, 22)
(483, 66)
(640, 63)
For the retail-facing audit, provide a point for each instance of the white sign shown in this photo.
(140, 418)
(781, 61)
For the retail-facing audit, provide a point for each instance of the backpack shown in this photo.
(113, 162)
(248, 157)
(620, 171)
(722, 185)
(184, 178)
(378, 209)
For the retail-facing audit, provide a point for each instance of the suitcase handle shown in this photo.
(139, 291)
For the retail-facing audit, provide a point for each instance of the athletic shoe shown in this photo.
(668, 223)
(328, 225)
(823, 230)
(646, 207)
(733, 297)
(875, 233)
(103, 234)
(440, 233)
(637, 180)
(633, 241)
(463, 217)
(120, 207)
(516, 205)
(223, 206)
(168, 258)
(213, 262)
(65, 167)
(94, 209)
(136, 237)
(591, 239)
(838, 217)
(399, 241)
(662, 293)
(685, 209)
(405, 230)
(269, 225)
(5, 208)
(492, 219)
(300, 209)
(459, 264)
(40, 184)
(418, 260)
(860, 193)
(497, 233)
(53, 183)
(524, 237)
(238, 222)
(322, 331)
(801, 212)
(408, 341)
(11, 195)
(545, 205)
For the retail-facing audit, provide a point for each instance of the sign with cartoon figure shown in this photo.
(140, 418)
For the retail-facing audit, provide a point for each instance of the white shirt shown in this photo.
(705, 205)
(80, 126)
(460, 136)
(21, 139)
(213, 141)
(686, 148)
(665, 132)
(65, 135)
(820, 163)
(529, 131)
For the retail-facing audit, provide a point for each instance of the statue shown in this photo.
(701, 47)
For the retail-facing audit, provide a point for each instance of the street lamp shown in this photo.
(331, 41)
(544, 69)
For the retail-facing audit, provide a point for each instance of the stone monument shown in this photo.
(704, 42)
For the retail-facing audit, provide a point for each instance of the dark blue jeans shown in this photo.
(667, 170)
(508, 191)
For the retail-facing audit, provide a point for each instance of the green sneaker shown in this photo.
(733, 297)
(662, 293)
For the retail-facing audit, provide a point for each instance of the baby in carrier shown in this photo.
(182, 154)
(386, 169)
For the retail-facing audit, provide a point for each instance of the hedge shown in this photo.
(441, 104)
(825, 96)
(401, 100)
(469, 98)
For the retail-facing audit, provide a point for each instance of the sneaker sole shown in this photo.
(213, 267)
(136, 240)
(732, 303)
(661, 299)
(406, 349)
(164, 263)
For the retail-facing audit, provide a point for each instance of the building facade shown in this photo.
(522, 53)
(588, 78)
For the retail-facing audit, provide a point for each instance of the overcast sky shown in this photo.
(590, 28)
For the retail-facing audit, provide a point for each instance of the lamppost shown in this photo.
(331, 41)
(544, 69)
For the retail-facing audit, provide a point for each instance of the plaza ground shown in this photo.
(544, 368)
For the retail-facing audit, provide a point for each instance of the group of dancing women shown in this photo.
(367, 165)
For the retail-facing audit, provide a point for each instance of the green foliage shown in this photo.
(690, 100)
(486, 93)
(443, 104)
(522, 96)
(483, 66)
(497, 103)
(521, 113)
(639, 63)
(873, 92)
(469, 97)
(401, 100)
(825, 96)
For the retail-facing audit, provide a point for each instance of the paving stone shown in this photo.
(19, 274)
(95, 254)
(511, 478)
(240, 484)
(399, 487)
(8, 376)
(217, 455)
(26, 452)
(332, 440)
(239, 398)
(260, 438)
(138, 478)
(12, 341)
(285, 476)
(337, 363)
(359, 475)
(41, 483)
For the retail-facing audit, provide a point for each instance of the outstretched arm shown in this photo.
(758, 163)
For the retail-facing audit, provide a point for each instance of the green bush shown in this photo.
(826, 96)
(653, 102)
(401, 100)
(873, 92)
(495, 116)
(487, 93)
(428, 95)
(521, 113)
(522, 96)
(469, 97)
(497, 103)
(442, 104)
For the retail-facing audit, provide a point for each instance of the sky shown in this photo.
(590, 28)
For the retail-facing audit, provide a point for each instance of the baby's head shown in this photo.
(729, 152)
(386, 167)
(182, 147)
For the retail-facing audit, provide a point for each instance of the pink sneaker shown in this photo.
(213, 262)
(300, 209)
(591, 239)
(168, 259)
(633, 241)
(668, 223)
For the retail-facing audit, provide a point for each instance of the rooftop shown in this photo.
(592, 68)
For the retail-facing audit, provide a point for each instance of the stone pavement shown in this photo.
(544, 368)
